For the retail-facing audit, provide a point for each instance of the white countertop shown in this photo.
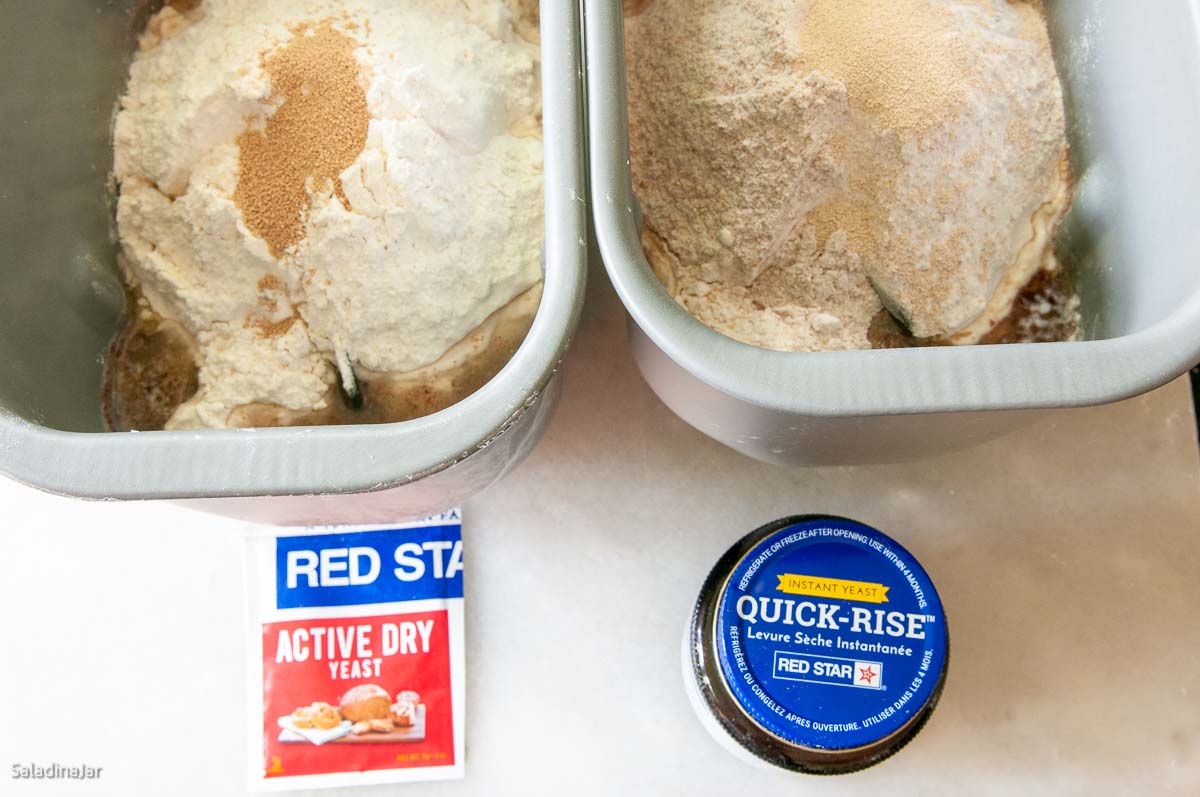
(1066, 555)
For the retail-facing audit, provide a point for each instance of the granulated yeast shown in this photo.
(317, 132)
(904, 60)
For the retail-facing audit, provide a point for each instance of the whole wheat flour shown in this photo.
(803, 164)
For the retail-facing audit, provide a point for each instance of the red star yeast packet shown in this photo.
(356, 655)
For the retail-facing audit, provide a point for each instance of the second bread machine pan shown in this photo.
(1131, 239)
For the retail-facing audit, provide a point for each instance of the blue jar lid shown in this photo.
(828, 636)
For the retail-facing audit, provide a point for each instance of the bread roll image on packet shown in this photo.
(356, 657)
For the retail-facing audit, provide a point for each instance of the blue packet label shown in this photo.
(346, 568)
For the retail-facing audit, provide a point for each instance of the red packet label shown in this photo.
(358, 659)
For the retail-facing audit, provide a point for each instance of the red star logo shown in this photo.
(866, 674)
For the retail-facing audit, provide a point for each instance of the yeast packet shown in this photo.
(356, 654)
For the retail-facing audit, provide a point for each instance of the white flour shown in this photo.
(439, 220)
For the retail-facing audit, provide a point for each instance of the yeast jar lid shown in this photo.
(818, 644)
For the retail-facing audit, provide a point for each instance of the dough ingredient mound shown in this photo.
(803, 164)
(325, 194)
